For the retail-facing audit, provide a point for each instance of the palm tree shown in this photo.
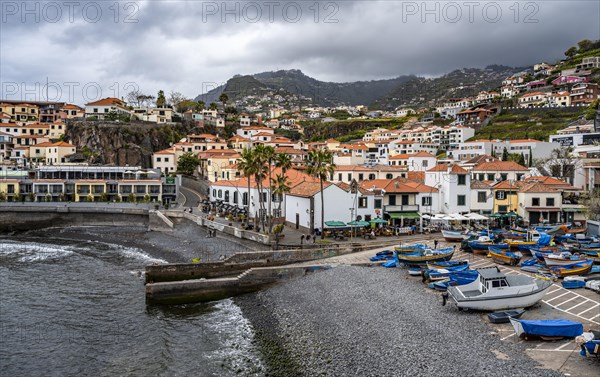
(260, 173)
(283, 161)
(268, 156)
(280, 186)
(223, 98)
(320, 165)
(247, 165)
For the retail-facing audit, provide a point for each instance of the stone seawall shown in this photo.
(27, 216)
(190, 291)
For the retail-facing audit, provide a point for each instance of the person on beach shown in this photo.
(435, 243)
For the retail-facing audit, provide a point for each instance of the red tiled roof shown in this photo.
(107, 102)
(454, 169)
(537, 187)
(499, 166)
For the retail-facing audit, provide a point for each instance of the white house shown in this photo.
(454, 185)
(482, 200)
(421, 161)
(101, 108)
(341, 203)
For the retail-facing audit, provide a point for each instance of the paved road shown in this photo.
(189, 198)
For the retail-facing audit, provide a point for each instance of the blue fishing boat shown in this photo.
(547, 328)
(455, 279)
(446, 264)
(410, 248)
(382, 255)
(573, 284)
(442, 273)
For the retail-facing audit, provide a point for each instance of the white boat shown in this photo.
(455, 236)
(496, 291)
(562, 259)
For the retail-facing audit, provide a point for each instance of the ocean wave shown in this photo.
(26, 252)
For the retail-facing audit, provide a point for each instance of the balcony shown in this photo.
(402, 208)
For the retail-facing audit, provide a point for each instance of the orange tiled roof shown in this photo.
(454, 169)
(107, 102)
(537, 187)
(499, 166)
(63, 144)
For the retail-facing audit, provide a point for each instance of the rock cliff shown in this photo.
(119, 144)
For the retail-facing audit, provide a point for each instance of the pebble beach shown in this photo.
(358, 321)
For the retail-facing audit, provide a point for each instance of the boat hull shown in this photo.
(452, 236)
(421, 260)
(501, 303)
(578, 269)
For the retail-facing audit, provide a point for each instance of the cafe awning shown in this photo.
(358, 223)
(378, 221)
(404, 215)
(542, 209)
(335, 224)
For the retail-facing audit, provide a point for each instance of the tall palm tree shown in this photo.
(261, 155)
(280, 186)
(320, 165)
(283, 161)
(247, 165)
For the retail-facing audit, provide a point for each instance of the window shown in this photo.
(392, 200)
(502, 209)
(349, 177)
(500, 195)
(158, 159)
(227, 196)
(378, 203)
(426, 200)
(214, 192)
(360, 176)
(549, 202)
(461, 200)
(519, 177)
(503, 177)
(535, 202)
(245, 198)
(425, 163)
(490, 177)
(462, 179)
(362, 202)
(389, 176)
(481, 197)
(235, 197)
(166, 159)
(340, 177)
(220, 193)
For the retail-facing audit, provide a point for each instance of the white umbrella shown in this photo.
(476, 216)
(458, 216)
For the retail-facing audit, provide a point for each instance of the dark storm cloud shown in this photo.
(190, 45)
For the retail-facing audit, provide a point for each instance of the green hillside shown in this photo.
(538, 125)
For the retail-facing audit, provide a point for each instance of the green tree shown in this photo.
(247, 165)
(223, 98)
(571, 52)
(212, 106)
(187, 163)
(131, 198)
(200, 105)
(585, 45)
(161, 100)
(320, 165)
(280, 187)
(283, 161)
(3, 196)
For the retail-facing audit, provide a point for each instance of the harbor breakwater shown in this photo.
(27, 216)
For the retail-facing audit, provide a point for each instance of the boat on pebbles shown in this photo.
(495, 291)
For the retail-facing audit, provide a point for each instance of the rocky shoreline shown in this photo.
(187, 241)
(357, 321)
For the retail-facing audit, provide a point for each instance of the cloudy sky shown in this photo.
(93, 49)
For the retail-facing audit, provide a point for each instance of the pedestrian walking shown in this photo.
(435, 243)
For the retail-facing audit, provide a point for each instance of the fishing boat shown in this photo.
(452, 263)
(573, 284)
(593, 254)
(410, 248)
(382, 255)
(415, 271)
(580, 268)
(505, 316)
(494, 291)
(455, 236)
(456, 278)
(480, 246)
(442, 273)
(421, 257)
(510, 258)
(546, 328)
(562, 259)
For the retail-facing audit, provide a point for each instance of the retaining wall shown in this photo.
(231, 230)
(27, 216)
(200, 186)
(190, 291)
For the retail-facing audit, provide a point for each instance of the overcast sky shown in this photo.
(90, 50)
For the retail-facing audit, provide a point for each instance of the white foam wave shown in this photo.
(32, 251)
